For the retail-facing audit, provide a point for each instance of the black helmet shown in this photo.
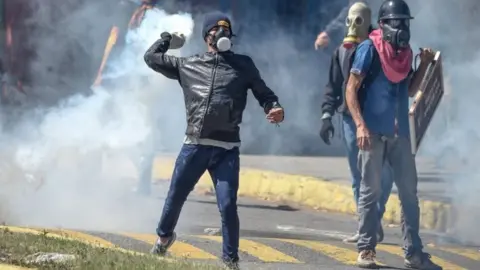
(394, 9)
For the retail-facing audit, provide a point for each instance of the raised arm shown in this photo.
(157, 60)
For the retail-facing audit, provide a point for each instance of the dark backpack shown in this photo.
(346, 57)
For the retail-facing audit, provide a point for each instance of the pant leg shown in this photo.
(370, 163)
(350, 140)
(190, 165)
(225, 170)
(405, 176)
(387, 185)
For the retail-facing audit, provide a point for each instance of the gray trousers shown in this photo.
(397, 152)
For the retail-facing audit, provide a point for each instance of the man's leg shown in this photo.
(387, 184)
(350, 140)
(190, 165)
(370, 163)
(405, 176)
(224, 170)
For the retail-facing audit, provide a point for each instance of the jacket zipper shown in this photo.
(214, 72)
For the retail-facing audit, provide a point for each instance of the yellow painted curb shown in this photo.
(309, 191)
(13, 267)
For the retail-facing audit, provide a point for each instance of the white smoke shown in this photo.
(453, 139)
(77, 152)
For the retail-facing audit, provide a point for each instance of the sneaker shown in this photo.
(421, 261)
(233, 265)
(352, 239)
(380, 234)
(366, 259)
(160, 248)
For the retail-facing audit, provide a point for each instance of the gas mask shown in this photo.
(396, 32)
(221, 40)
(358, 24)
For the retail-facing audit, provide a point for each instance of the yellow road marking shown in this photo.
(446, 265)
(13, 267)
(82, 237)
(343, 255)
(67, 235)
(261, 251)
(27, 230)
(178, 249)
(465, 252)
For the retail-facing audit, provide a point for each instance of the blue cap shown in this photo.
(214, 19)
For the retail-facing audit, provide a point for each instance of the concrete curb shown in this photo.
(311, 192)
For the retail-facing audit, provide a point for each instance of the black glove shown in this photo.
(174, 40)
(327, 131)
(165, 38)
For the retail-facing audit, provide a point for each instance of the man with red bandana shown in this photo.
(380, 113)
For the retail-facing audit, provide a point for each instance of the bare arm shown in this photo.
(353, 85)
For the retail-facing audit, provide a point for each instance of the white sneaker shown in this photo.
(366, 259)
(352, 239)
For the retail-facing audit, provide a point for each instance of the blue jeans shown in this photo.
(224, 168)
(397, 152)
(350, 140)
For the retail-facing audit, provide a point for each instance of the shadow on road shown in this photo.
(286, 208)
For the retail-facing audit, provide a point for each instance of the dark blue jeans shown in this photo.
(350, 140)
(224, 168)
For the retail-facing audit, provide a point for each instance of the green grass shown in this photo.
(14, 247)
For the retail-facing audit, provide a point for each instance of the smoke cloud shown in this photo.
(67, 158)
(453, 137)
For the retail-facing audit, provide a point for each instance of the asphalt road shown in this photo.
(273, 236)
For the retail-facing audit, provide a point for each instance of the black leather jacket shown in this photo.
(215, 87)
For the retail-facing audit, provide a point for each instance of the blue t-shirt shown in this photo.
(384, 100)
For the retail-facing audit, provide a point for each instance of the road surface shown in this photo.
(273, 236)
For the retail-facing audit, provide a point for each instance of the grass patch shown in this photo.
(15, 247)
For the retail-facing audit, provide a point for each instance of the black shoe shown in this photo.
(421, 261)
(160, 248)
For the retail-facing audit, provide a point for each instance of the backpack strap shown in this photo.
(345, 58)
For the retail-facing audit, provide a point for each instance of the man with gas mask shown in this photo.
(337, 24)
(378, 100)
(358, 28)
(215, 86)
